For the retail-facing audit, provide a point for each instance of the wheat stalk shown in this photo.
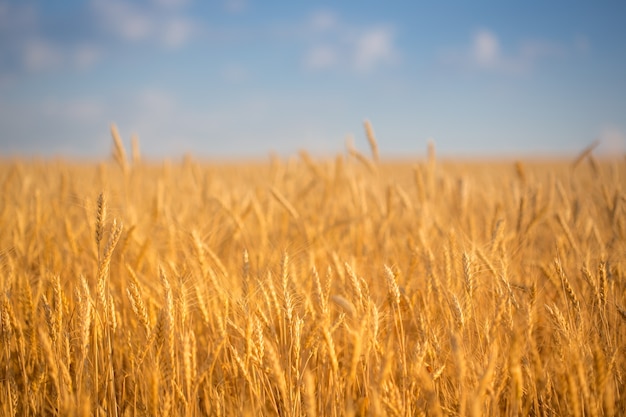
(371, 139)
(119, 154)
(100, 219)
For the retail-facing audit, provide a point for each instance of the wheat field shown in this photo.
(346, 286)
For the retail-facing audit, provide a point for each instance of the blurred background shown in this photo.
(242, 78)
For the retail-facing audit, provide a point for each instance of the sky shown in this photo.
(245, 78)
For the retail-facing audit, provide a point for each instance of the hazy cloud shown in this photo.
(612, 140)
(155, 103)
(321, 57)
(177, 32)
(74, 110)
(323, 20)
(41, 55)
(86, 56)
(486, 49)
(485, 53)
(133, 23)
(374, 47)
(336, 44)
(123, 19)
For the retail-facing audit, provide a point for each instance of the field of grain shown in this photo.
(347, 286)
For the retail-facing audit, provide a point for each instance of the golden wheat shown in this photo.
(444, 287)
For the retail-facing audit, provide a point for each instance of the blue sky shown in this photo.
(242, 78)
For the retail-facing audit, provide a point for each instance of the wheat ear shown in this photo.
(371, 138)
(119, 154)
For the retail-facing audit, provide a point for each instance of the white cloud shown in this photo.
(485, 53)
(374, 47)
(486, 48)
(132, 23)
(335, 44)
